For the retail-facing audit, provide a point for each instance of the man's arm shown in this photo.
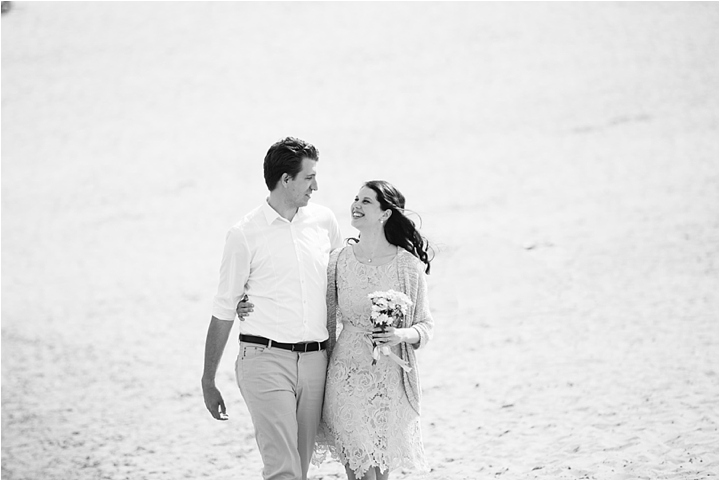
(217, 337)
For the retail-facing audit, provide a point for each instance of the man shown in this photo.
(277, 256)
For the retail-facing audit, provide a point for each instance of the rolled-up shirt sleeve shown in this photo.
(234, 273)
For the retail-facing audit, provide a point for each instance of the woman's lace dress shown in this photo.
(367, 418)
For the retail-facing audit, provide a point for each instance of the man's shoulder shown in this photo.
(248, 221)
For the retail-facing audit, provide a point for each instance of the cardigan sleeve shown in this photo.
(422, 319)
(331, 299)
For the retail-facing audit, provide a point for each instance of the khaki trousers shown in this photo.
(284, 393)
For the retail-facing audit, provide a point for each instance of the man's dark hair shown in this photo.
(285, 157)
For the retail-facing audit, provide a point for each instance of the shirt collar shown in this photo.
(271, 215)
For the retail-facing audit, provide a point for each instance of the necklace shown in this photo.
(360, 254)
(372, 255)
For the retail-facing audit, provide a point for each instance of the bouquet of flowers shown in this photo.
(389, 309)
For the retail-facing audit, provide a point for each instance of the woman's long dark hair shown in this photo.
(399, 229)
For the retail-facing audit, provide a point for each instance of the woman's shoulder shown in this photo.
(409, 261)
(335, 253)
(338, 250)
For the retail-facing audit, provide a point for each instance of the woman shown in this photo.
(371, 414)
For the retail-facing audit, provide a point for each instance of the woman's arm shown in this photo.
(421, 330)
(423, 322)
(331, 300)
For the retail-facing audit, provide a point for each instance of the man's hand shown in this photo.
(244, 308)
(217, 336)
(214, 401)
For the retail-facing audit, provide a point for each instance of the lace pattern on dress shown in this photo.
(367, 418)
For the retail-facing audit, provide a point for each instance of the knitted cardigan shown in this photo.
(411, 273)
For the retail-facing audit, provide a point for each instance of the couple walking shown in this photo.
(290, 280)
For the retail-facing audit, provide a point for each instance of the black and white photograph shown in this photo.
(359, 240)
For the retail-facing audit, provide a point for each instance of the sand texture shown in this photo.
(563, 158)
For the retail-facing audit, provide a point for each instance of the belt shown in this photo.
(298, 347)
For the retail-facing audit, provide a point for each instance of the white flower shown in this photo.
(400, 298)
(388, 307)
(383, 320)
(377, 295)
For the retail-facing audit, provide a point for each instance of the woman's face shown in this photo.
(365, 210)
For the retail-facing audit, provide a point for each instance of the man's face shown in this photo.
(302, 186)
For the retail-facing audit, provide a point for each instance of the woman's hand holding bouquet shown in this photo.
(389, 309)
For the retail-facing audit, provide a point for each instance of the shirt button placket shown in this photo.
(298, 256)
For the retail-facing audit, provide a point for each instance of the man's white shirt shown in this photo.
(282, 266)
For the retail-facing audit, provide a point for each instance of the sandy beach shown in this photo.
(563, 157)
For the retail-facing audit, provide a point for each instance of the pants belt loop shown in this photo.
(269, 343)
